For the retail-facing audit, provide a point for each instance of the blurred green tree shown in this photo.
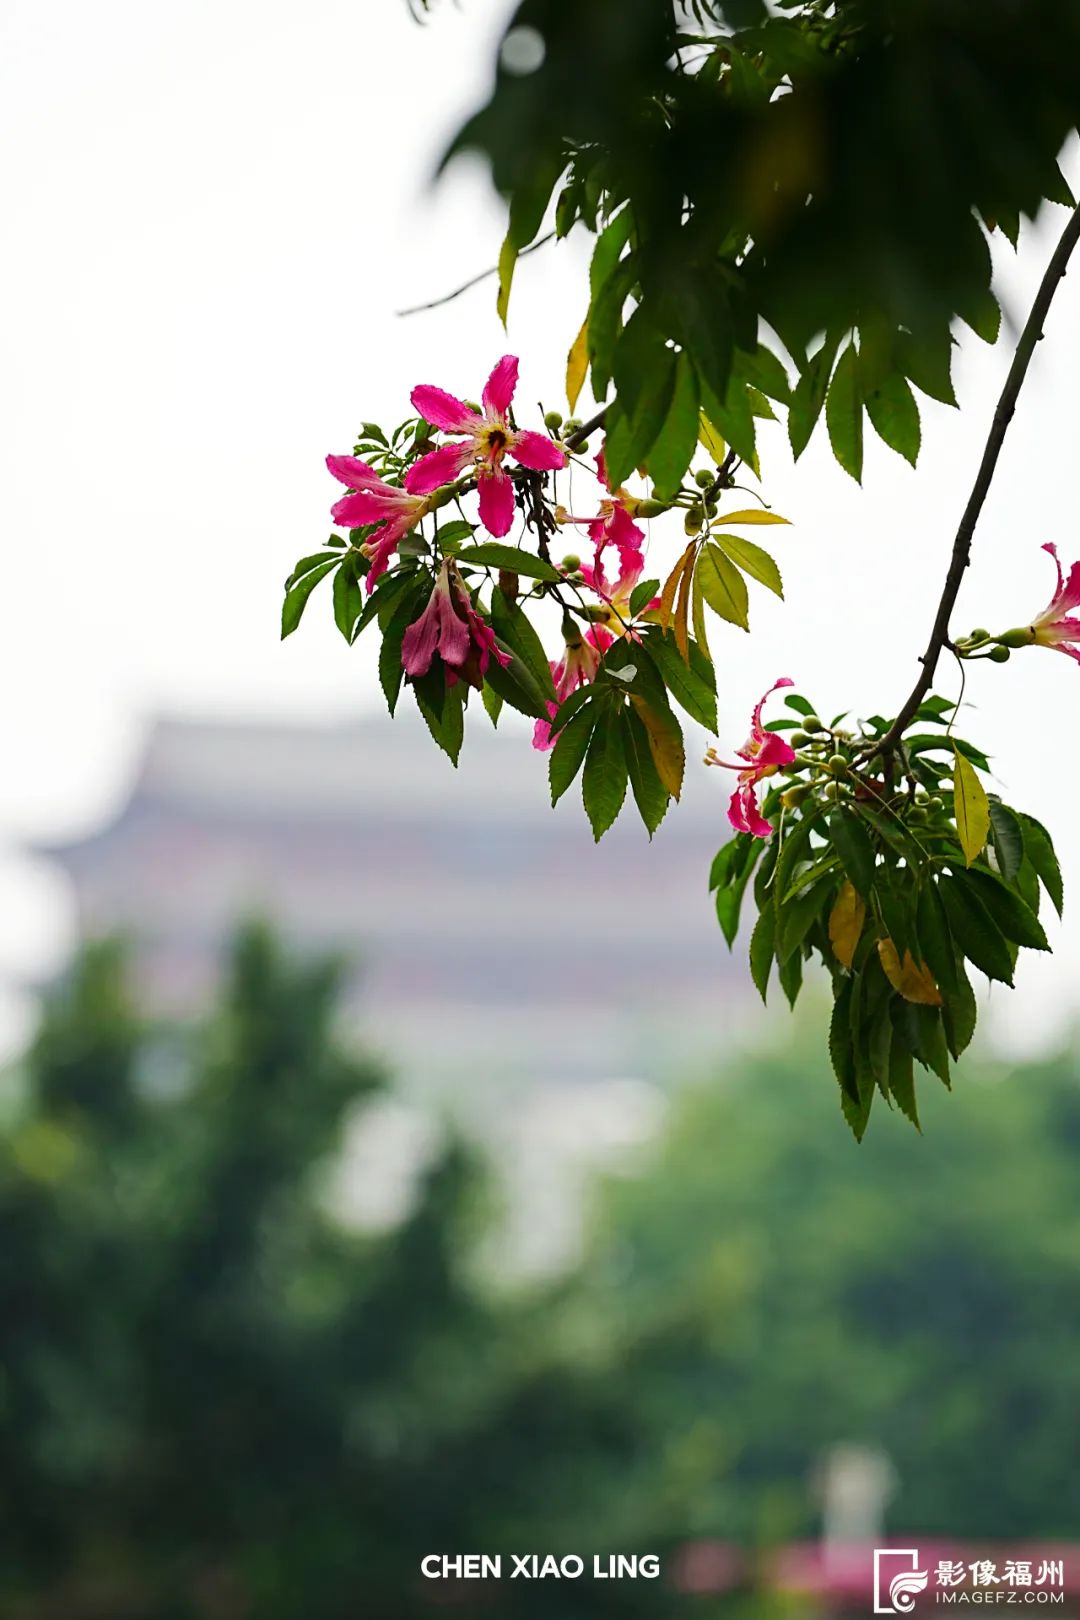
(769, 1292)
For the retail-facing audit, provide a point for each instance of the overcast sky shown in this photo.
(213, 211)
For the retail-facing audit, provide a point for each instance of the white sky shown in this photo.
(212, 211)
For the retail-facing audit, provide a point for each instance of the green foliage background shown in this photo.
(216, 1402)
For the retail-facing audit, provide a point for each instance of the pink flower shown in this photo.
(451, 627)
(616, 594)
(487, 438)
(764, 752)
(613, 524)
(1053, 627)
(371, 500)
(577, 667)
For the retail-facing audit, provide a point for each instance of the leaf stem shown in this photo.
(1003, 415)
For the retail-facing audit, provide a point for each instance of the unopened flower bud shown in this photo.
(979, 635)
(837, 765)
(999, 654)
(693, 520)
(798, 739)
(570, 563)
(703, 478)
(812, 723)
(1017, 638)
(917, 816)
(553, 420)
(649, 509)
(831, 791)
(792, 797)
(571, 425)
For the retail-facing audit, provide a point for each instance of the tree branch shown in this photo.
(473, 281)
(577, 438)
(1003, 415)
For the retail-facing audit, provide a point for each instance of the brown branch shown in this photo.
(473, 281)
(582, 433)
(1003, 415)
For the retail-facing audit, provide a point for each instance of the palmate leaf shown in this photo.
(605, 776)
(568, 754)
(650, 795)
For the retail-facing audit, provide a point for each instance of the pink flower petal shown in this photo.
(384, 543)
(454, 638)
(348, 470)
(624, 533)
(353, 511)
(784, 680)
(439, 467)
(536, 450)
(496, 502)
(774, 750)
(744, 815)
(443, 410)
(498, 393)
(420, 641)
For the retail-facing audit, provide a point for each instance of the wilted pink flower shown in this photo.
(577, 667)
(487, 439)
(371, 500)
(451, 627)
(1053, 627)
(613, 525)
(764, 752)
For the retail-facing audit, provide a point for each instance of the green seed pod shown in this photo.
(798, 739)
(649, 509)
(812, 723)
(979, 635)
(693, 520)
(999, 655)
(571, 425)
(570, 563)
(792, 797)
(553, 420)
(837, 765)
(703, 478)
(831, 791)
(917, 816)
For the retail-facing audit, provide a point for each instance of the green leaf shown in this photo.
(892, 409)
(972, 808)
(762, 943)
(729, 899)
(975, 931)
(605, 776)
(933, 941)
(932, 1049)
(800, 704)
(1008, 837)
(568, 754)
(1014, 918)
(733, 418)
(348, 600)
(902, 1076)
(1040, 852)
(693, 685)
(517, 685)
(843, 414)
(796, 917)
(445, 718)
(790, 974)
(960, 1013)
(642, 593)
(809, 396)
(306, 564)
(511, 559)
(492, 702)
(650, 794)
(296, 598)
(753, 560)
(508, 255)
(513, 626)
(390, 667)
(449, 536)
(723, 586)
(927, 360)
(674, 448)
(852, 843)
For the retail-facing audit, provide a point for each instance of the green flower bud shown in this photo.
(831, 791)
(999, 655)
(917, 816)
(935, 802)
(837, 765)
(703, 478)
(1017, 638)
(792, 797)
(979, 635)
(693, 520)
(649, 509)
(798, 739)
(812, 723)
(570, 563)
(571, 425)
(553, 420)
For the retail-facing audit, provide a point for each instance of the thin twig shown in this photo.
(473, 281)
(1003, 415)
(582, 433)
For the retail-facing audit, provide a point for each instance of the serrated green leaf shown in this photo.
(296, 598)
(852, 843)
(975, 931)
(511, 559)
(723, 586)
(809, 396)
(843, 414)
(391, 672)
(650, 794)
(676, 442)
(604, 779)
(1040, 852)
(762, 943)
(1015, 919)
(692, 684)
(753, 560)
(568, 754)
(348, 600)
(892, 409)
(1008, 839)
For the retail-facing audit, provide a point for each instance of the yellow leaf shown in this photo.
(751, 516)
(682, 613)
(914, 983)
(508, 254)
(846, 923)
(671, 585)
(665, 745)
(972, 807)
(712, 441)
(577, 364)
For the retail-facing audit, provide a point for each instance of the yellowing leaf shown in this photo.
(682, 613)
(752, 560)
(972, 807)
(671, 585)
(754, 515)
(723, 587)
(577, 364)
(846, 923)
(665, 745)
(712, 441)
(508, 255)
(698, 619)
(913, 982)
